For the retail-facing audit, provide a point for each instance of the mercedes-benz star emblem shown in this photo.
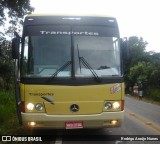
(74, 108)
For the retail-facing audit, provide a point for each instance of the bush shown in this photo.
(154, 93)
(7, 105)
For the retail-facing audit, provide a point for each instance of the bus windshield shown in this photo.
(47, 48)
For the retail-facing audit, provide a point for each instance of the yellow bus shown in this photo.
(69, 72)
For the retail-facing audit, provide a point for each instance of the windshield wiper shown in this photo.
(87, 65)
(66, 64)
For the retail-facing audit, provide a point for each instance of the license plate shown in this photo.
(74, 125)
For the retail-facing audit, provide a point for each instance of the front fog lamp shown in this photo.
(30, 106)
(39, 107)
(114, 122)
(108, 105)
(116, 105)
(31, 123)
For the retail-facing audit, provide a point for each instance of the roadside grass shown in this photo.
(7, 105)
(145, 99)
(7, 110)
(8, 117)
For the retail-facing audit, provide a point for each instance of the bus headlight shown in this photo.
(39, 107)
(116, 105)
(108, 105)
(30, 106)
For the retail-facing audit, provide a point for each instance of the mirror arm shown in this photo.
(16, 35)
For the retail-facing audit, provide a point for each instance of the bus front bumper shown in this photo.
(42, 120)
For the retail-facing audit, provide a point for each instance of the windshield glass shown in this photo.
(101, 53)
(44, 55)
(48, 48)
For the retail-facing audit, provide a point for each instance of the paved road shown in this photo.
(140, 119)
(149, 111)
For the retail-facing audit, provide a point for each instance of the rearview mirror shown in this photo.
(15, 48)
(124, 48)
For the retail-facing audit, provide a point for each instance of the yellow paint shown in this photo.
(123, 90)
(22, 92)
(90, 98)
(86, 107)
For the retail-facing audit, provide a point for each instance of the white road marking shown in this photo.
(58, 140)
(118, 142)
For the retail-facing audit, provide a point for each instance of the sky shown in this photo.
(135, 17)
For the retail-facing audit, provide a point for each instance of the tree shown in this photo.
(141, 72)
(14, 9)
(155, 73)
(136, 49)
(143, 67)
(137, 53)
(6, 64)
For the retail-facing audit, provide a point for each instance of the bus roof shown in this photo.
(47, 19)
(69, 14)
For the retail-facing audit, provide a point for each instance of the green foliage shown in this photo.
(145, 72)
(137, 53)
(138, 72)
(7, 105)
(155, 77)
(6, 64)
(143, 67)
(136, 49)
(154, 93)
(12, 11)
(15, 9)
(8, 117)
